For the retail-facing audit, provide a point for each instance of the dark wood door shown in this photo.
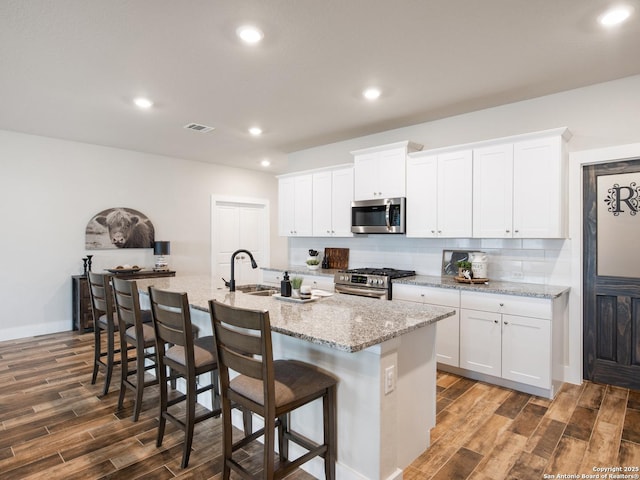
(611, 235)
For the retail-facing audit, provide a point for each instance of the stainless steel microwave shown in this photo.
(384, 215)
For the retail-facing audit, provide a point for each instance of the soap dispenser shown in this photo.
(285, 285)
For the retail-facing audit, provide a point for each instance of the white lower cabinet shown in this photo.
(447, 330)
(509, 340)
(481, 342)
(507, 336)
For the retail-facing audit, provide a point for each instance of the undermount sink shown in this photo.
(263, 293)
(256, 289)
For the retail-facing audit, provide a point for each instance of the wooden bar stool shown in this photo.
(104, 322)
(272, 389)
(177, 350)
(136, 333)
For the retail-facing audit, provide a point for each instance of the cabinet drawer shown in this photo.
(437, 296)
(271, 277)
(319, 281)
(507, 304)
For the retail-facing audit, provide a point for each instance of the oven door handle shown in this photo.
(365, 292)
(387, 215)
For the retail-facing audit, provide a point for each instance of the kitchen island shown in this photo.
(382, 353)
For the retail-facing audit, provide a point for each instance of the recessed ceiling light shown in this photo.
(143, 102)
(250, 34)
(615, 16)
(255, 131)
(265, 163)
(371, 93)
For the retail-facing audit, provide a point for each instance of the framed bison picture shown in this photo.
(119, 228)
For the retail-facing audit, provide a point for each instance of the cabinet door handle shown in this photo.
(495, 321)
(502, 304)
(506, 323)
(508, 231)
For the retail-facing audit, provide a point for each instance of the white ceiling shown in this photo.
(70, 68)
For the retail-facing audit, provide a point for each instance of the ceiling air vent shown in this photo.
(198, 127)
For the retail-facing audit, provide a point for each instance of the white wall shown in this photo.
(598, 116)
(50, 189)
(602, 115)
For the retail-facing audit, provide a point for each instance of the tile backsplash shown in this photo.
(517, 260)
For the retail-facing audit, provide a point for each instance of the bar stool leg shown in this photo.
(283, 443)
(162, 420)
(97, 350)
(124, 365)
(330, 432)
(110, 360)
(189, 421)
(137, 406)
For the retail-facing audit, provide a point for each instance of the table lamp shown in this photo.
(161, 249)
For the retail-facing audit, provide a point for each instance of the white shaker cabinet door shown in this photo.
(526, 350)
(448, 340)
(480, 342)
(366, 168)
(455, 181)
(422, 197)
(322, 193)
(342, 196)
(539, 189)
(392, 172)
(295, 206)
(493, 191)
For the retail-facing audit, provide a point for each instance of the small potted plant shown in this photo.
(464, 269)
(296, 283)
(313, 263)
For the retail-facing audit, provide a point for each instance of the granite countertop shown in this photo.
(344, 322)
(505, 288)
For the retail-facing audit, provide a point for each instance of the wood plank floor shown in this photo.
(54, 425)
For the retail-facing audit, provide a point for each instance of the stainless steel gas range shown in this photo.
(369, 282)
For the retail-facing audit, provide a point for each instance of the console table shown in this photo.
(81, 301)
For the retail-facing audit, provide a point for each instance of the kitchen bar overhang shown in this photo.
(383, 354)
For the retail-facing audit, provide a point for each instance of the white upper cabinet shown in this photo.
(295, 205)
(493, 191)
(539, 188)
(380, 172)
(519, 188)
(332, 196)
(439, 194)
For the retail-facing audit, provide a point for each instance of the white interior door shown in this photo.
(239, 224)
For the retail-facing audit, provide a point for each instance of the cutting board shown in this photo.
(338, 257)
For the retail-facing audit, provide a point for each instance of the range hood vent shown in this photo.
(198, 127)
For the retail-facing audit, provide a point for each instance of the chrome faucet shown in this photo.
(232, 281)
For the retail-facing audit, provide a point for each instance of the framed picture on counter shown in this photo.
(450, 258)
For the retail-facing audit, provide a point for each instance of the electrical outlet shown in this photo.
(517, 275)
(389, 379)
